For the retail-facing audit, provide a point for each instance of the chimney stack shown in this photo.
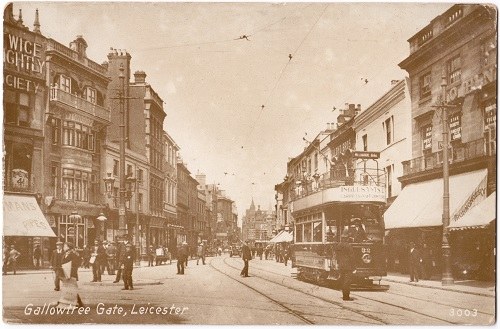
(140, 76)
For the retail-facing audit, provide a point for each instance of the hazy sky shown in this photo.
(214, 86)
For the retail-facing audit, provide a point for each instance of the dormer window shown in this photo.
(90, 95)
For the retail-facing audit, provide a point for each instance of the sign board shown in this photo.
(365, 155)
(455, 127)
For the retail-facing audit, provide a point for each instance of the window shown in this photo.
(116, 164)
(56, 131)
(425, 85)
(17, 108)
(308, 232)
(90, 95)
(54, 183)
(365, 142)
(387, 125)
(388, 170)
(75, 185)
(65, 83)
(298, 232)
(78, 135)
(140, 175)
(129, 171)
(317, 232)
(454, 70)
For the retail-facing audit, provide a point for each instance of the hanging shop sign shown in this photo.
(427, 143)
(490, 114)
(455, 127)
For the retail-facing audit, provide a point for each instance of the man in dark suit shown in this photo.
(56, 263)
(182, 256)
(345, 259)
(128, 266)
(98, 255)
(246, 254)
(414, 262)
(120, 254)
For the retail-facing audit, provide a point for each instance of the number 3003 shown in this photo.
(463, 312)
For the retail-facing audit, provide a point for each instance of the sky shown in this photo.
(243, 83)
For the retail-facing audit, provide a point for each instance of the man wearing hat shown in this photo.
(151, 255)
(13, 256)
(200, 253)
(345, 259)
(70, 297)
(182, 256)
(128, 266)
(246, 255)
(111, 255)
(37, 254)
(120, 254)
(56, 262)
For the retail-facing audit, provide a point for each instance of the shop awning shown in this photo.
(478, 216)
(283, 236)
(23, 217)
(421, 204)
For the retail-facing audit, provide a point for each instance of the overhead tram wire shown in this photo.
(283, 71)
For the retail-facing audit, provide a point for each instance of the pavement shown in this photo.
(473, 287)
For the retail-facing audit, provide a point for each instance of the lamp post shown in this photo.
(74, 219)
(447, 277)
(133, 185)
(102, 219)
(121, 210)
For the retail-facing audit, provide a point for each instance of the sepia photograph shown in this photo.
(249, 163)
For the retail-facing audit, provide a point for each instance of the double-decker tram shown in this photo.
(333, 206)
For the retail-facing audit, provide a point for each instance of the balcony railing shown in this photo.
(68, 52)
(457, 153)
(79, 103)
(359, 176)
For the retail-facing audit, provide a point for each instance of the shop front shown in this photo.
(416, 216)
(25, 227)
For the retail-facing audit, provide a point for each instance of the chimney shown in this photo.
(358, 109)
(140, 77)
(80, 46)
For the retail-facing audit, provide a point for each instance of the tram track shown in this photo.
(338, 304)
(288, 309)
(358, 296)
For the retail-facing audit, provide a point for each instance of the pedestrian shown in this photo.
(37, 254)
(56, 263)
(200, 253)
(104, 261)
(260, 251)
(13, 256)
(86, 256)
(182, 255)
(97, 257)
(266, 252)
(151, 255)
(6, 251)
(70, 297)
(414, 260)
(128, 267)
(111, 257)
(120, 254)
(344, 255)
(246, 255)
(286, 254)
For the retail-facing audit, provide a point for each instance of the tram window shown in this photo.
(308, 232)
(298, 232)
(317, 232)
(331, 233)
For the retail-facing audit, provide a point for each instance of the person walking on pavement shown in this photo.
(56, 263)
(111, 258)
(37, 254)
(246, 255)
(70, 297)
(86, 256)
(97, 256)
(345, 260)
(182, 255)
(151, 255)
(13, 256)
(200, 253)
(104, 261)
(414, 262)
(128, 267)
(120, 254)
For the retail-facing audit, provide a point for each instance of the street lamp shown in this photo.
(109, 183)
(121, 209)
(102, 219)
(74, 218)
(447, 277)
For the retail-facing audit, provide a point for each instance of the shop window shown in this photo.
(454, 70)
(425, 85)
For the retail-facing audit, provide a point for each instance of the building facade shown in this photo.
(444, 61)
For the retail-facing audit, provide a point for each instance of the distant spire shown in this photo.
(36, 24)
(20, 19)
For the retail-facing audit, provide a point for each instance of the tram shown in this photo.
(323, 212)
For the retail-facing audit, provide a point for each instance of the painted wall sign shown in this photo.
(427, 142)
(24, 55)
(455, 127)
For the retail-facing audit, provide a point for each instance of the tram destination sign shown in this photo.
(365, 155)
